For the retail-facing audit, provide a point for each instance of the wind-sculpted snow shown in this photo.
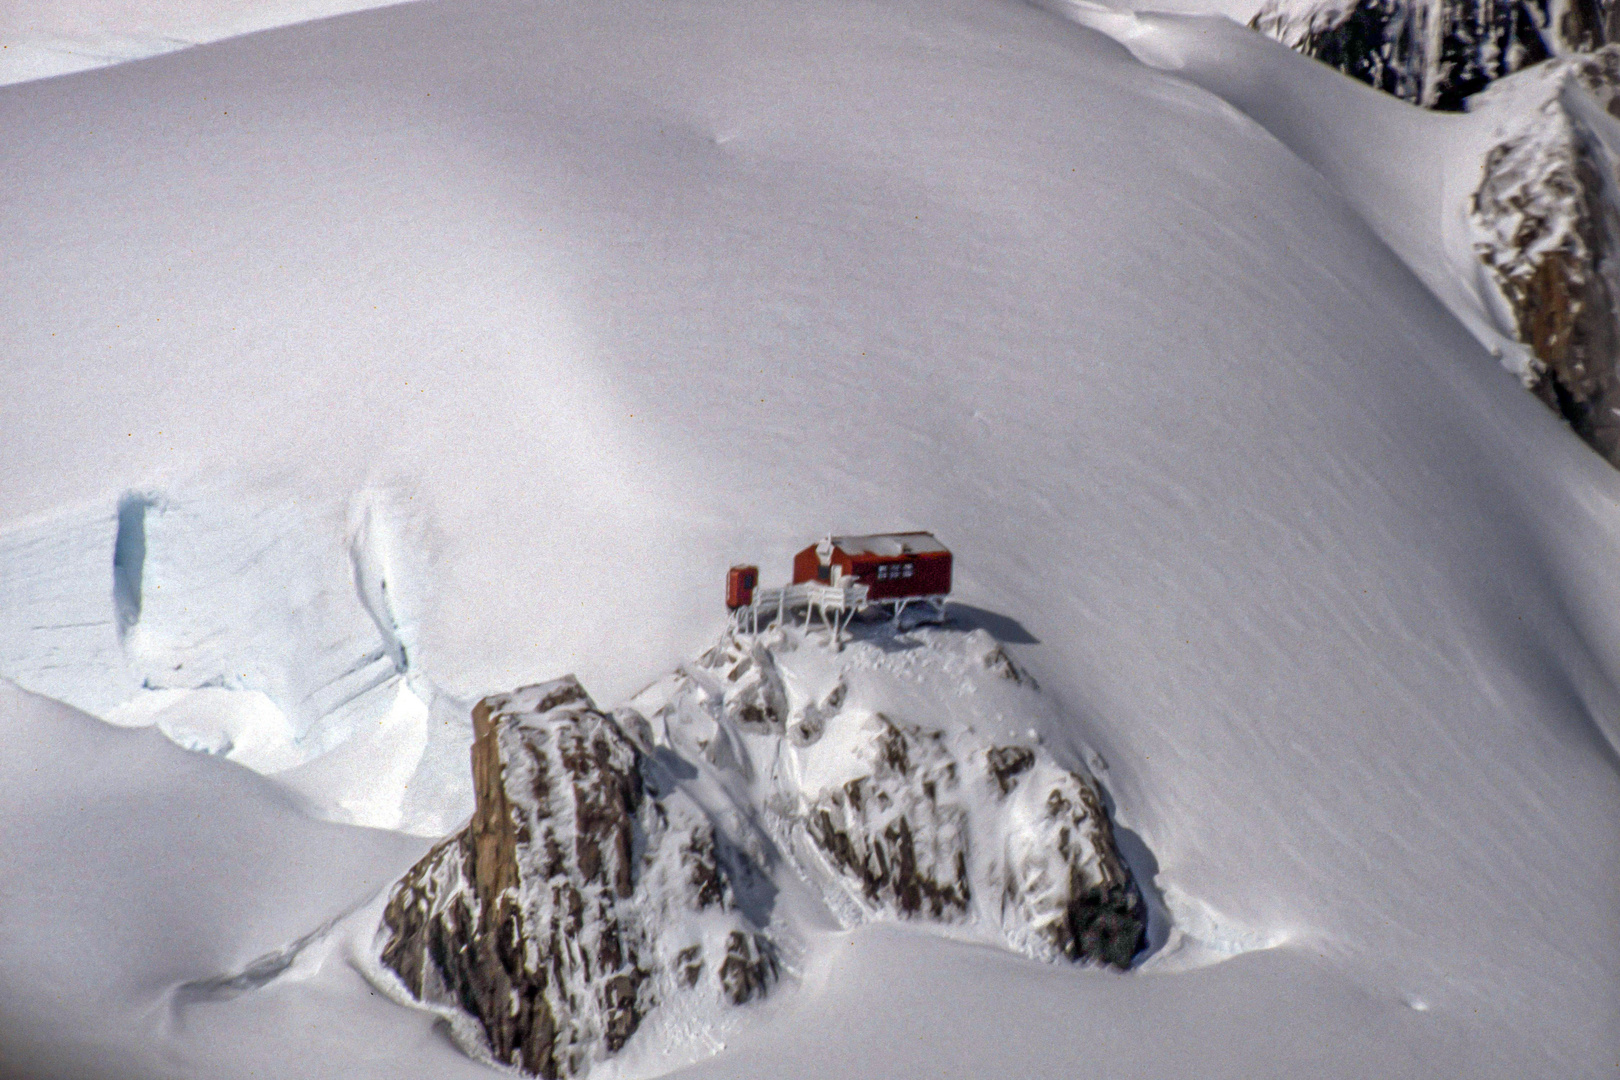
(265, 628)
(1542, 206)
(1510, 212)
(1536, 165)
(585, 893)
(53, 37)
(621, 294)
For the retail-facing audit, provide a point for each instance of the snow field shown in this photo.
(629, 295)
(45, 38)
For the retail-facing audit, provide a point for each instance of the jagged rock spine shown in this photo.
(577, 900)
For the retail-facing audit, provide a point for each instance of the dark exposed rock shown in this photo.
(554, 919)
(1545, 213)
(902, 832)
(920, 825)
(1007, 762)
(890, 829)
(707, 884)
(1434, 53)
(1103, 916)
(1105, 923)
(590, 890)
(749, 968)
(689, 965)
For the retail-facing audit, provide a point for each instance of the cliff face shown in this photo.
(1434, 53)
(580, 897)
(1547, 228)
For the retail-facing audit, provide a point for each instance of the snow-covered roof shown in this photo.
(889, 545)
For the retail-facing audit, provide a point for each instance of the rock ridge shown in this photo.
(903, 818)
(1435, 53)
(579, 897)
(618, 867)
(1545, 214)
(1546, 226)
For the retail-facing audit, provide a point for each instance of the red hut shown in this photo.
(741, 581)
(892, 566)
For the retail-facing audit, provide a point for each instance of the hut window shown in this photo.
(907, 571)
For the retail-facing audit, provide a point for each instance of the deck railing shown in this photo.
(834, 606)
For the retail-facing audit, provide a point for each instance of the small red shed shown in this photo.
(892, 566)
(741, 581)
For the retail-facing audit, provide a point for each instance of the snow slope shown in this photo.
(615, 297)
(1409, 172)
(151, 891)
(42, 38)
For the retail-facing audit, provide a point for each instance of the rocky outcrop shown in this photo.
(1547, 229)
(901, 830)
(1066, 890)
(754, 697)
(585, 892)
(903, 819)
(1434, 53)
(617, 869)
(895, 829)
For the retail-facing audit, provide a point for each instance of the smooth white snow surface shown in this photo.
(1411, 173)
(167, 913)
(42, 38)
(582, 305)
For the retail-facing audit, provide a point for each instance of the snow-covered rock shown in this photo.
(754, 696)
(1546, 226)
(593, 883)
(583, 894)
(1434, 53)
(878, 766)
(896, 828)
